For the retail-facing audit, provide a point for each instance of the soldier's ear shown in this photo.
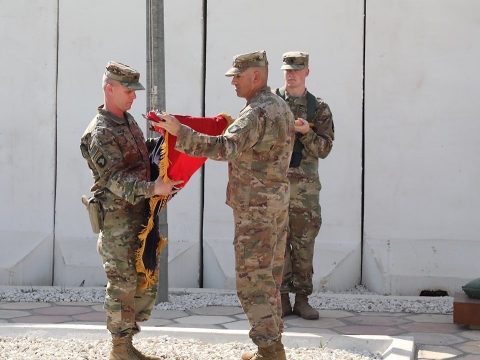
(109, 88)
(257, 75)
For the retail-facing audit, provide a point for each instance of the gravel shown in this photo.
(165, 347)
(358, 299)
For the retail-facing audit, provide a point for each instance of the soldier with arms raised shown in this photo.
(258, 146)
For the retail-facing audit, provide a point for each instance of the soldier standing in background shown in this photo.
(258, 146)
(314, 139)
(117, 155)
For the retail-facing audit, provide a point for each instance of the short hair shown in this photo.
(264, 74)
(106, 80)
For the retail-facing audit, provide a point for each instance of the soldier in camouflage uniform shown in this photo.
(314, 140)
(258, 146)
(117, 155)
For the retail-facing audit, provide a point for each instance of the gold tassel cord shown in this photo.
(151, 276)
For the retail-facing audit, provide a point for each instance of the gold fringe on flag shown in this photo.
(151, 276)
(160, 203)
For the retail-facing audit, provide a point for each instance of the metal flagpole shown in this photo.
(156, 100)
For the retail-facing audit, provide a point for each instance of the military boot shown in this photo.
(286, 306)
(248, 355)
(303, 309)
(122, 349)
(272, 352)
(142, 356)
(137, 352)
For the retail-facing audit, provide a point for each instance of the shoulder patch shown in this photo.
(101, 161)
(241, 123)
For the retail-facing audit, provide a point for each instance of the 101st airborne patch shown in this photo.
(101, 161)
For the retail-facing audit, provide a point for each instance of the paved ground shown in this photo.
(435, 336)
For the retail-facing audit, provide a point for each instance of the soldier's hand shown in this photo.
(169, 123)
(165, 188)
(302, 126)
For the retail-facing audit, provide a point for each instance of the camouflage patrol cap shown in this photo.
(244, 61)
(124, 74)
(294, 60)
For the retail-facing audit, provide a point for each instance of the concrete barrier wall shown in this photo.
(420, 126)
(332, 32)
(28, 34)
(421, 141)
(88, 39)
(184, 84)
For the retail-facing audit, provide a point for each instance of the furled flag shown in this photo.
(170, 164)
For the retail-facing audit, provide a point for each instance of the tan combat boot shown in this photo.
(137, 352)
(303, 309)
(248, 355)
(122, 349)
(272, 352)
(142, 356)
(286, 306)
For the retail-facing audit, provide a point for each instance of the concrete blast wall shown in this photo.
(399, 76)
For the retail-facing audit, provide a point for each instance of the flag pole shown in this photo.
(156, 100)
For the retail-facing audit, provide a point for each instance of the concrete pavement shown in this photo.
(391, 334)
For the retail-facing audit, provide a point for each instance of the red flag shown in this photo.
(172, 165)
(182, 166)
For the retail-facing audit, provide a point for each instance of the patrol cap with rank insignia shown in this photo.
(244, 61)
(294, 60)
(124, 74)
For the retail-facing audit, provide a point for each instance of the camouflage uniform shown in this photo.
(117, 154)
(304, 209)
(258, 147)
